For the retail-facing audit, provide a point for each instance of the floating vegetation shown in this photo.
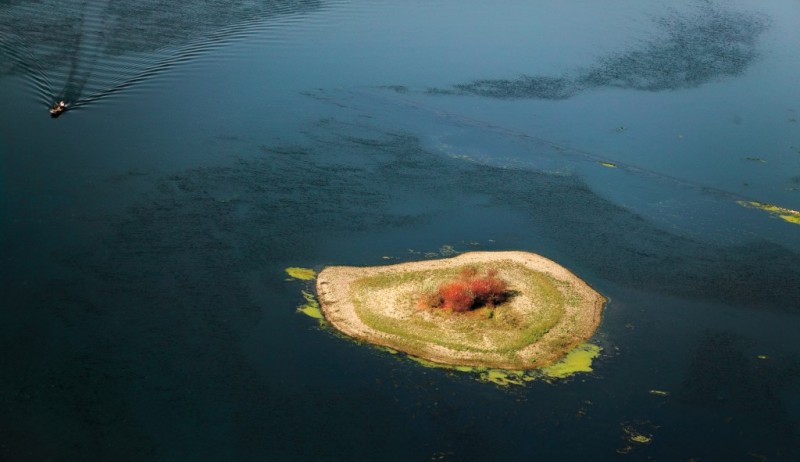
(608, 164)
(792, 216)
(578, 360)
(635, 437)
(304, 274)
(506, 378)
(311, 307)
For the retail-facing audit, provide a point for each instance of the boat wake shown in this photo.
(82, 52)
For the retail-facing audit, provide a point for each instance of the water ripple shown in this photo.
(83, 52)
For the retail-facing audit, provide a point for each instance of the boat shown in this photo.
(58, 108)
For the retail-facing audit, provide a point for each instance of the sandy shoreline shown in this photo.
(579, 320)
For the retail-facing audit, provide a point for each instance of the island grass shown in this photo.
(506, 326)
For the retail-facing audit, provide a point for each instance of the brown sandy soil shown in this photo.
(551, 312)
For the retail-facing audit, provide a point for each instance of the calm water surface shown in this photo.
(144, 234)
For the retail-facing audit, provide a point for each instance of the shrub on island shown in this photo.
(468, 292)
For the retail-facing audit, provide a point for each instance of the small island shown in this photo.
(505, 310)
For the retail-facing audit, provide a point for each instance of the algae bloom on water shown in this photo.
(310, 308)
(549, 313)
(577, 360)
(304, 274)
(792, 216)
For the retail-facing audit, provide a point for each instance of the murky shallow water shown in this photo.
(146, 313)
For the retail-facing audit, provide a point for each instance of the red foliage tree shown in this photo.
(456, 296)
(488, 290)
(467, 292)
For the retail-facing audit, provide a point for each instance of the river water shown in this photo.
(144, 233)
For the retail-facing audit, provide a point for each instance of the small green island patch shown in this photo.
(503, 310)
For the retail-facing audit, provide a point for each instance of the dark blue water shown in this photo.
(144, 309)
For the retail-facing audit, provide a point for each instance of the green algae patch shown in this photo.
(311, 307)
(304, 274)
(550, 311)
(510, 378)
(792, 216)
(637, 436)
(506, 378)
(578, 360)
